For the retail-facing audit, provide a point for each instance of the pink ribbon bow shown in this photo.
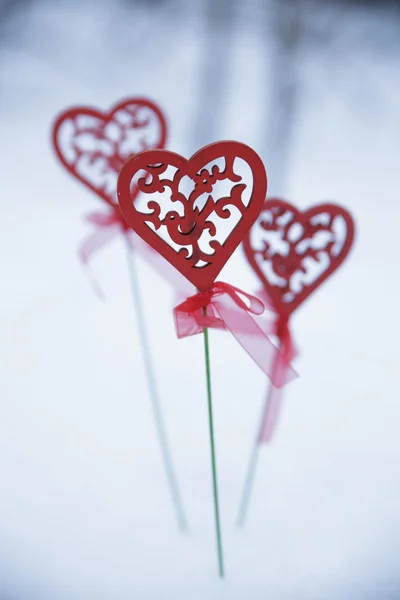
(223, 307)
(107, 227)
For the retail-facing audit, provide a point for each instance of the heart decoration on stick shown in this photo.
(93, 145)
(293, 253)
(195, 213)
(209, 208)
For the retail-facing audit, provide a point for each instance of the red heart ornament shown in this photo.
(94, 145)
(293, 252)
(194, 212)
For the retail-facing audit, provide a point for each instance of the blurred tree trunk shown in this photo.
(7, 7)
(287, 29)
(217, 20)
(292, 27)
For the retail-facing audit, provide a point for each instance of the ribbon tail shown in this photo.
(89, 247)
(94, 283)
(272, 410)
(274, 400)
(254, 340)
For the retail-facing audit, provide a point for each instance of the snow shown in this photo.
(84, 508)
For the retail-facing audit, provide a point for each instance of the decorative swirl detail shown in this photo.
(293, 252)
(93, 146)
(197, 230)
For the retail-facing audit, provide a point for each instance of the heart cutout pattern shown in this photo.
(94, 145)
(293, 252)
(194, 212)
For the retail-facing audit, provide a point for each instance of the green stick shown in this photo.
(213, 459)
(154, 397)
(249, 481)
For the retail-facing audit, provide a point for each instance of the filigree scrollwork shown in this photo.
(93, 146)
(293, 252)
(200, 209)
(189, 224)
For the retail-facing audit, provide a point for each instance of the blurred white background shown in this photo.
(85, 512)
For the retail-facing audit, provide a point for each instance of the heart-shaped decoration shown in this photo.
(194, 212)
(293, 252)
(94, 145)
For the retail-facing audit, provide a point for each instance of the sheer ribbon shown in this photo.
(107, 226)
(224, 306)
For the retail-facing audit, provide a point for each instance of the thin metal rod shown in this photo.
(251, 470)
(154, 396)
(213, 456)
(254, 456)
